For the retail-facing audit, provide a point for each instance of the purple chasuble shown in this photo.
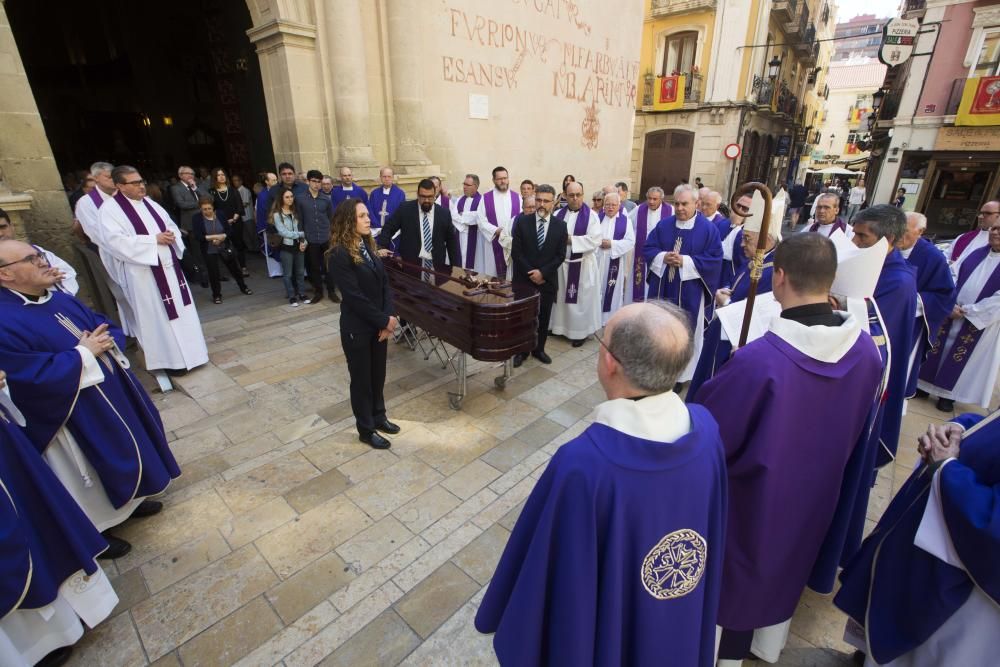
(837, 224)
(944, 371)
(618, 545)
(573, 275)
(639, 267)
(621, 225)
(785, 467)
(470, 245)
(158, 273)
(491, 215)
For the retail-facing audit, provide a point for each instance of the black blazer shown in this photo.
(526, 255)
(406, 220)
(366, 304)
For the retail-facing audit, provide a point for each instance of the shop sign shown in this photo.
(898, 39)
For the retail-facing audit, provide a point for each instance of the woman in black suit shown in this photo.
(366, 319)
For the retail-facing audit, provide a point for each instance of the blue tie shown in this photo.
(541, 232)
(364, 253)
(427, 233)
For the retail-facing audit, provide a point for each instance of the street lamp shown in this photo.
(877, 98)
(773, 67)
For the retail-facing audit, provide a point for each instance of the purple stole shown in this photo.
(621, 224)
(95, 197)
(491, 215)
(944, 372)
(960, 245)
(580, 229)
(158, 273)
(470, 250)
(445, 201)
(641, 232)
(837, 224)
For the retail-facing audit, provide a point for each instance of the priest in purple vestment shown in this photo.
(684, 254)
(935, 291)
(384, 199)
(347, 188)
(616, 557)
(644, 218)
(827, 220)
(786, 465)
(964, 362)
(896, 298)
(87, 414)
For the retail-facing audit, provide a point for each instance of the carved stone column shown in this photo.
(289, 69)
(349, 83)
(404, 20)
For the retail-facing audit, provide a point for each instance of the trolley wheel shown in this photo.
(500, 382)
(455, 402)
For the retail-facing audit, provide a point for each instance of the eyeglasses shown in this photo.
(989, 212)
(37, 259)
(139, 182)
(605, 346)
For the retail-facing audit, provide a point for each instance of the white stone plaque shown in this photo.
(479, 106)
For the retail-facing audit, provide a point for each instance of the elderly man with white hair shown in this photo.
(644, 220)
(935, 290)
(684, 254)
(613, 255)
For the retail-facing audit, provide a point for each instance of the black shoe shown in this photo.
(316, 298)
(542, 357)
(945, 405)
(116, 548)
(176, 372)
(246, 290)
(147, 508)
(921, 393)
(858, 658)
(519, 359)
(334, 298)
(56, 658)
(375, 440)
(387, 427)
(579, 343)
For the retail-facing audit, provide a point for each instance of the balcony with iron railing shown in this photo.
(807, 40)
(671, 7)
(784, 11)
(798, 27)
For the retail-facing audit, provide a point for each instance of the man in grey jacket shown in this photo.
(185, 195)
(315, 213)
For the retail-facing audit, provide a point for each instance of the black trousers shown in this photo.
(235, 235)
(316, 267)
(213, 262)
(366, 360)
(544, 314)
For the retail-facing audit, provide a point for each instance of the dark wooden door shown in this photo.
(666, 160)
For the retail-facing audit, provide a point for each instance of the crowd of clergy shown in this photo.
(668, 532)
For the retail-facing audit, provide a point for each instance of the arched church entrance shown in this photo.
(151, 84)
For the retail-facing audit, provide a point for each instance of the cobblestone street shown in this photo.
(286, 541)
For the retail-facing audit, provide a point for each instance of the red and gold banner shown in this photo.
(669, 93)
(980, 102)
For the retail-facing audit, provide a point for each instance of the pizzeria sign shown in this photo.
(899, 36)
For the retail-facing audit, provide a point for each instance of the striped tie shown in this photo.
(427, 233)
(541, 232)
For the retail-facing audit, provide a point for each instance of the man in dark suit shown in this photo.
(414, 220)
(186, 194)
(539, 247)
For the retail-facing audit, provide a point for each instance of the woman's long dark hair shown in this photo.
(344, 231)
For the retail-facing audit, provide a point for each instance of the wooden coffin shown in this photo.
(489, 325)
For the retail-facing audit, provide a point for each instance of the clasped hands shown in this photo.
(536, 277)
(97, 341)
(957, 313)
(673, 259)
(165, 238)
(939, 443)
(384, 334)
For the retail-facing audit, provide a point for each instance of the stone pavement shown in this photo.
(286, 541)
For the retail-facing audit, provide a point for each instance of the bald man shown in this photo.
(615, 508)
(384, 199)
(989, 216)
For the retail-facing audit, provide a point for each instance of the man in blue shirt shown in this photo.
(315, 213)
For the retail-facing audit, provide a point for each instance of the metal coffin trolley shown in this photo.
(480, 316)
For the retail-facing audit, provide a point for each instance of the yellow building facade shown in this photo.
(720, 72)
